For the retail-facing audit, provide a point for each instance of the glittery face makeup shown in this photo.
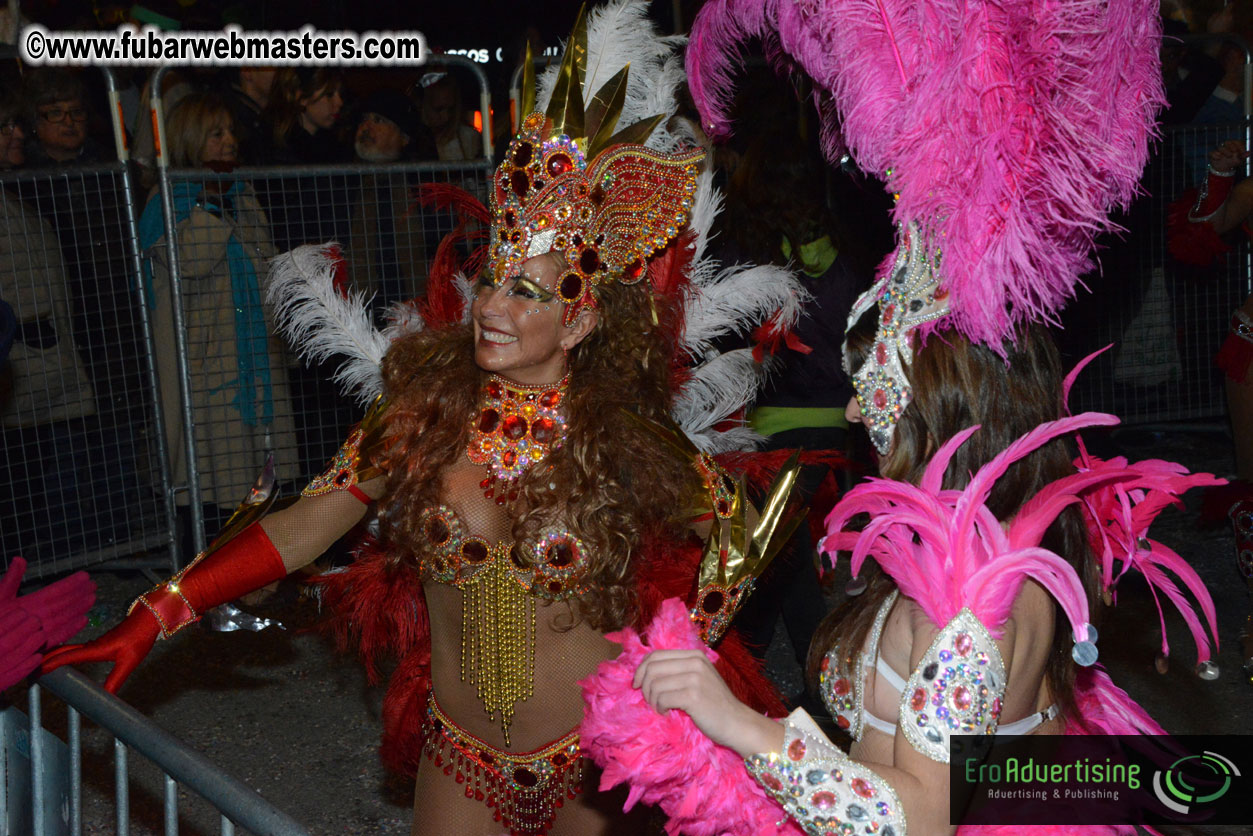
(518, 330)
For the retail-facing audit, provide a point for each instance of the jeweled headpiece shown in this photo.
(908, 295)
(571, 184)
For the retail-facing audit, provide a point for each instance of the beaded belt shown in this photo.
(524, 788)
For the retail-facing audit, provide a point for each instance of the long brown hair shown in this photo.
(616, 486)
(957, 384)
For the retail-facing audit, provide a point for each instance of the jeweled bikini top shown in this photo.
(553, 567)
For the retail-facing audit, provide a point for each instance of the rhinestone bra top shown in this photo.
(553, 567)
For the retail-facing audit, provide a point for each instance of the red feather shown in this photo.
(443, 304)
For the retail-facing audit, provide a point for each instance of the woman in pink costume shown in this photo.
(1006, 140)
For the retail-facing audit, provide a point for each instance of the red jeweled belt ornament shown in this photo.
(517, 426)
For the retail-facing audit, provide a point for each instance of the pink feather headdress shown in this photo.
(1007, 130)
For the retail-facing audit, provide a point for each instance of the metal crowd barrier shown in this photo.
(36, 761)
(83, 476)
(1164, 319)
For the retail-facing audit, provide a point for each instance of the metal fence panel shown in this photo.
(247, 394)
(1166, 320)
(80, 476)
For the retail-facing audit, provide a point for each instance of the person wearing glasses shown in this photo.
(58, 114)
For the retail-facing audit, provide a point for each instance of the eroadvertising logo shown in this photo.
(1099, 779)
(1194, 780)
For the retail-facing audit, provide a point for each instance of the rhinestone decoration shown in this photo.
(959, 694)
(908, 296)
(516, 427)
(841, 688)
(605, 216)
(822, 789)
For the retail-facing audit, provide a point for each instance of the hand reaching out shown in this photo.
(40, 619)
(686, 680)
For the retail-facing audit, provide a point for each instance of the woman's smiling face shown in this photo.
(518, 330)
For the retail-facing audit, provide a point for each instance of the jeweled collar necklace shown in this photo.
(517, 426)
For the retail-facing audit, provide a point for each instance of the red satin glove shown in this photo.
(247, 562)
(38, 620)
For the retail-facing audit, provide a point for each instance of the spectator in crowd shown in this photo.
(443, 115)
(46, 412)
(57, 110)
(304, 112)
(248, 95)
(386, 250)
(239, 396)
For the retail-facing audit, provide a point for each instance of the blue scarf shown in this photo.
(251, 338)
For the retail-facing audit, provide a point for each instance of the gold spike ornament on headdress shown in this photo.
(569, 184)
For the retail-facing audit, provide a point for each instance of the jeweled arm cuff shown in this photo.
(1212, 194)
(822, 789)
(168, 606)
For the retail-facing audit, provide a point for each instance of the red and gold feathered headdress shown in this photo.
(571, 184)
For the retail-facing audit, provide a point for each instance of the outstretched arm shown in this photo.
(262, 553)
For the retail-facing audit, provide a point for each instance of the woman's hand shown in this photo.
(687, 680)
(125, 646)
(1228, 156)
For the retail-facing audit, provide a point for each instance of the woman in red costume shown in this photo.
(523, 460)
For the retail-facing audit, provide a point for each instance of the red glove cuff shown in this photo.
(247, 562)
(1212, 195)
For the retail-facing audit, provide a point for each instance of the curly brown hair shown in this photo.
(957, 384)
(617, 485)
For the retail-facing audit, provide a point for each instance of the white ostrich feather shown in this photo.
(717, 388)
(320, 323)
(739, 299)
(619, 33)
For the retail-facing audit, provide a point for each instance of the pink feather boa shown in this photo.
(703, 787)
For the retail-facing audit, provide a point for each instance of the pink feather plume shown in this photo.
(703, 787)
(1008, 129)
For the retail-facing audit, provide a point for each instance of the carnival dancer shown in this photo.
(528, 473)
(1006, 140)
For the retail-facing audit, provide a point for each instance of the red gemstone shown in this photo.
(560, 554)
(543, 430)
(554, 587)
(519, 182)
(633, 272)
(522, 154)
(510, 219)
(515, 427)
(918, 700)
(550, 398)
(880, 399)
(559, 164)
(436, 530)
(888, 313)
(823, 800)
(494, 389)
(772, 782)
(881, 354)
(724, 507)
(510, 458)
(597, 195)
(842, 722)
(343, 477)
(488, 420)
(826, 663)
(841, 687)
(525, 777)
(862, 787)
(559, 759)
(589, 261)
(796, 749)
(474, 551)
(571, 288)
(713, 602)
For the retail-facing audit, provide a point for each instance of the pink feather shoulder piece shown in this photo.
(1008, 128)
(946, 550)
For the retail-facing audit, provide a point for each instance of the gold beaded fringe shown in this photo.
(498, 640)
